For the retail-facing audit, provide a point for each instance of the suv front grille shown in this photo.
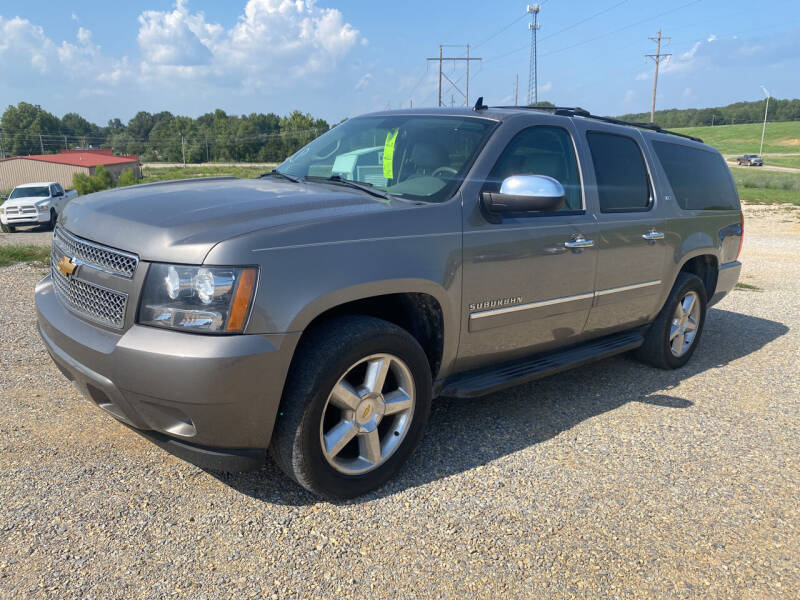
(90, 300)
(105, 258)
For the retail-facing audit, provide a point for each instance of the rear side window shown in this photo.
(700, 179)
(620, 171)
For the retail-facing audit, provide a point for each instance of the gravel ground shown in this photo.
(34, 236)
(615, 480)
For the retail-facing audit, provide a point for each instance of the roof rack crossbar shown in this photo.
(577, 111)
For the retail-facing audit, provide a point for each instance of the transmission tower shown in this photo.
(533, 88)
(657, 58)
(441, 58)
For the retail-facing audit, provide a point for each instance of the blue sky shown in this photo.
(336, 59)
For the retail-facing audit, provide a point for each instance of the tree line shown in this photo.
(738, 112)
(212, 137)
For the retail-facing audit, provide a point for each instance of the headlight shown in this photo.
(206, 299)
(43, 206)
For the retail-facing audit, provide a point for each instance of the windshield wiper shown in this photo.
(358, 185)
(276, 173)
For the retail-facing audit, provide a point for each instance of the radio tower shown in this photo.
(533, 88)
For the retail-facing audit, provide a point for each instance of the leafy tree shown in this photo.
(103, 178)
(23, 124)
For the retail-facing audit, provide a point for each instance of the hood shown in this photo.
(24, 201)
(180, 221)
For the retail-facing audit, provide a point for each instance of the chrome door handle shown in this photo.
(580, 242)
(653, 235)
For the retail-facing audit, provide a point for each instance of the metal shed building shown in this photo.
(62, 167)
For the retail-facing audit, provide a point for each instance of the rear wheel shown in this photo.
(673, 337)
(355, 405)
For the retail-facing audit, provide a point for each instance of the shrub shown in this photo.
(126, 178)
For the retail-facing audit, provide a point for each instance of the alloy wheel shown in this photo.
(367, 414)
(685, 322)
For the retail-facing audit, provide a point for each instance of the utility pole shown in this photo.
(183, 150)
(516, 90)
(441, 58)
(2, 154)
(207, 159)
(764, 127)
(41, 143)
(657, 58)
(534, 25)
(712, 119)
(66, 146)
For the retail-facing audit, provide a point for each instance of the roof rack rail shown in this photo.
(577, 111)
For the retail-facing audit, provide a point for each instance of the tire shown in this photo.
(659, 348)
(738, 162)
(338, 355)
(51, 225)
(7, 228)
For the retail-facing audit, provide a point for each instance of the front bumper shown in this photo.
(215, 395)
(727, 278)
(25, 219)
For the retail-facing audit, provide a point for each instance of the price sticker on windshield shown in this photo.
(388, 154)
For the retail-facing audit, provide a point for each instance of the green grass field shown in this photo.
(746, 139)
(767, 187)
(150, 175)
(10, 255)
(784, 161)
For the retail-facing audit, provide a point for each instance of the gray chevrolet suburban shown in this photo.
(403, 255)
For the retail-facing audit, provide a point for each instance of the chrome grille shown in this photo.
(92, 301)
(105, 258)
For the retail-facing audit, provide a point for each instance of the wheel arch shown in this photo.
(416, 306)
(705, 264)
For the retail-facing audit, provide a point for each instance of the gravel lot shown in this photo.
(615, 480)
(24, 236)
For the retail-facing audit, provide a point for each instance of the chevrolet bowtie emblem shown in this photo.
(367, 408)
(66, 266)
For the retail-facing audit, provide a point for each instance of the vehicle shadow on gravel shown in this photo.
(464, 434)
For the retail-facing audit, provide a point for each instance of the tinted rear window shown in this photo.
(700, 179)
(621, 174)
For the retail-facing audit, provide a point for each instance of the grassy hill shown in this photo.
(782, 137)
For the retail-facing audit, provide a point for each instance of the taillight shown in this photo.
(741, 234)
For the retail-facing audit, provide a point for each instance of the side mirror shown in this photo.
(524, 193)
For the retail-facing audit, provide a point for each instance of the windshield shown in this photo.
(30, 192)
(415, 157)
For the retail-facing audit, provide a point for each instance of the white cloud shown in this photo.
(711, 38)
(546, 87)
(84, 35)
(24, 45)
(363, 82)
(274, 42)
(174, 38)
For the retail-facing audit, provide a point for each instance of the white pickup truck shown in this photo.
(34, 204)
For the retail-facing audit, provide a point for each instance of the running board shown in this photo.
(488, 380)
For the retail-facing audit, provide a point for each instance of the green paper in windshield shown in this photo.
(388, 153)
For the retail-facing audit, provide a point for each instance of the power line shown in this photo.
(505, 28)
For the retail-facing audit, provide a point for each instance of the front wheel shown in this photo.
(7, 228)
(354, 408)
(51, 224)
(674, 335)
